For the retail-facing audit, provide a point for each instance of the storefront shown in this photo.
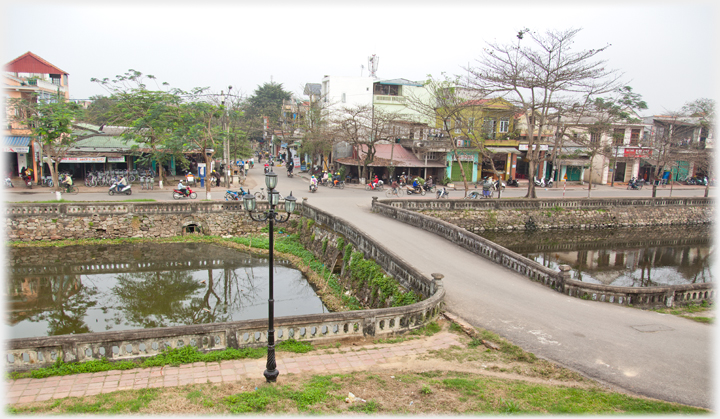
(16, 153)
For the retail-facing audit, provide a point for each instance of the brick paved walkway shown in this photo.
(344, 359)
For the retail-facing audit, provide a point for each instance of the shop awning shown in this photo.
(573, 162)
(503, 150)
(15, 144)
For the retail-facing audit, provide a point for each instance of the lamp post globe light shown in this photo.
(271, 216)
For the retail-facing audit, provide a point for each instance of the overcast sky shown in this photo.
(667, 50)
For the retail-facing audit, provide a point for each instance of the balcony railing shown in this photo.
(389, 99)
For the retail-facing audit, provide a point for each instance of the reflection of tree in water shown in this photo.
(170, 298)
(66, 302)
(157, 299)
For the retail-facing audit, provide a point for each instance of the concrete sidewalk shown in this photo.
(343, 359)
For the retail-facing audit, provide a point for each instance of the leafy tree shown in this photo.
(199, 128)
(98, 111)
(266, 102)
(149, 115)
(542, 80)
(52, 123)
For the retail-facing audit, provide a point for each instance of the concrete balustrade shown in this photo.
(29, 353)
(403, 211)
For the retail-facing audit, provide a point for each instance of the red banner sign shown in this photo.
(638, 152)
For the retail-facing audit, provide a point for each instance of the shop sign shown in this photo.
(116, 159)
(465, 157)
(524, 147)
(638, 152)
(16, 149)
(80, 160)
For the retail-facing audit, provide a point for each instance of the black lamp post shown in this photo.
(271, 216)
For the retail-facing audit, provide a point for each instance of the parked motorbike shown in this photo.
(543, 182)
(512, 182)
(474, 195)
(441, 193)
(8, 182)
(498, 185)
(177, 194)
(127, 190)
(235, 195)
(635, 183)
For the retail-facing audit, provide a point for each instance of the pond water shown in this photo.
(83, 289)
(631, 257)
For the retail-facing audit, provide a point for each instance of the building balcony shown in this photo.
(429, 145)
(399, 100)
(45, 85)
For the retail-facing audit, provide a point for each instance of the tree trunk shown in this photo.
(590, 180)
(531, 185)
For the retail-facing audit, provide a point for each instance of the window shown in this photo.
(634, 136)
(458, 125)
(489, 128)
(618, 136)
(594, 137)
(504, 125)
(386, 89)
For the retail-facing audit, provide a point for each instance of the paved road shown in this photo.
(660, 356)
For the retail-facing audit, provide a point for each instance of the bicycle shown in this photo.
(72, 190)
(261, 195)
(397, 192)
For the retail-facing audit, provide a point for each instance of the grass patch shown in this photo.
(172, 357)
(291, 345)
(390, 392)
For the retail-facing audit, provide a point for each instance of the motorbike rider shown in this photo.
(324, 178)
(182, 188)
(374, 182)
(313, 182)
(336, 178)
(26, 173)
(290, 167)
(121, 184)
(415, 187)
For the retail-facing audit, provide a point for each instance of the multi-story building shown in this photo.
(32, 78)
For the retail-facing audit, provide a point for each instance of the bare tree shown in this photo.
(454, 113)
(598, 120)
(363, 127)
(672, 134)
(704, 110)
(542, 79)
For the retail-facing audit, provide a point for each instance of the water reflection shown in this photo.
(84, 289)
(642, 257)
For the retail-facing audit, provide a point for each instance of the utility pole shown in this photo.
(226, 151)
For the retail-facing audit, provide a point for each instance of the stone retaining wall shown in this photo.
(559, 281)
(56, 221)
(520, 214)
